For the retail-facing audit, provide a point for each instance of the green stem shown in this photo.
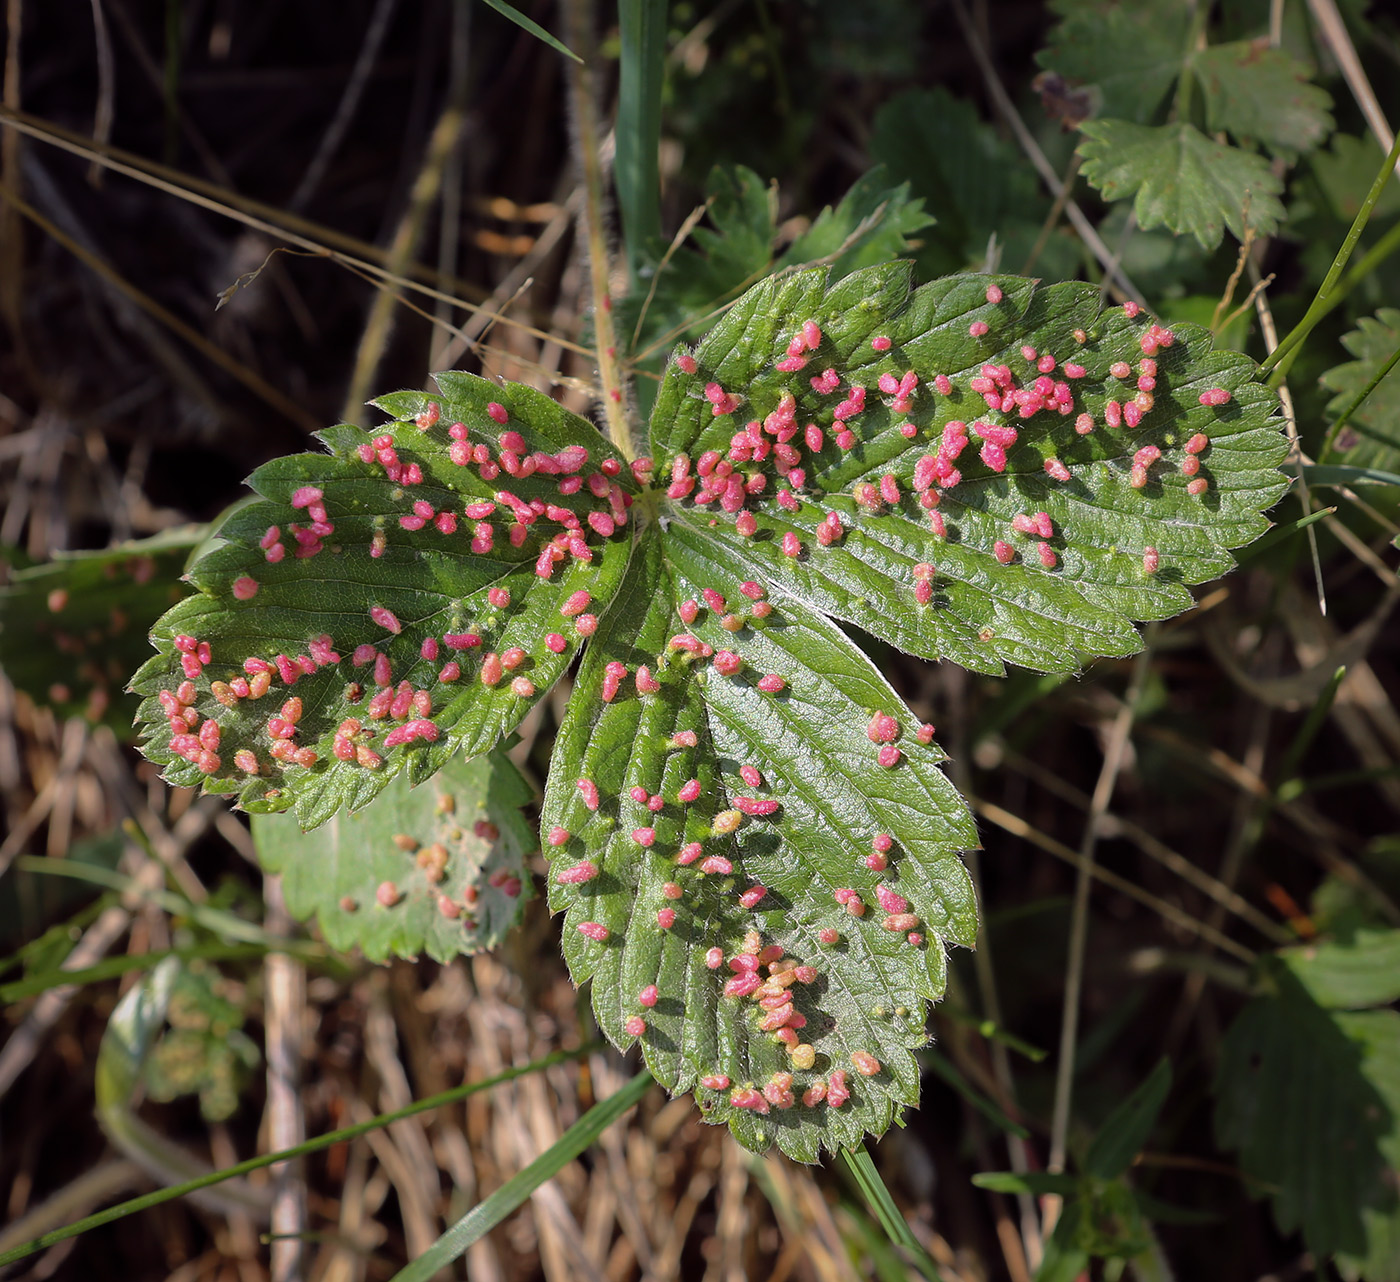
(1186, 84)
(1322, 302)
(862, 1170)
(346, 1133)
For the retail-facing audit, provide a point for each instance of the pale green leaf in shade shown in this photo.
(73, 629)
(1182, 180)
(437, 869)
(1262, 95)
(1310, 1100)
(1349, 974)
(1345, 170)
(1131, 53)
(533, 27)
(1371, 437)
(391, 606)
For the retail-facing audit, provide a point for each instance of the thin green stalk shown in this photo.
(1321, 303)
(877, 1197)
(346, 1133)
(1356, 403)
(636, 170)
(484, 1216)
(1186, 82)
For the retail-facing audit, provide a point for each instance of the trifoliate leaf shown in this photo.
(1335, 1079)
(1182, 179)
(72, 629)
(421, 586)
(1131, 53)
(1371, 437)
(874, 482)
(750, 835)
(1262, 95)
(758, 881)
(436, 869)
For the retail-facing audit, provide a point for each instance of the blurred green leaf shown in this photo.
(1130, 53)
(1349, 974)
(73, 629)
(437, 869)
(1262, 95)
(1371, 438)
(1310, 1099)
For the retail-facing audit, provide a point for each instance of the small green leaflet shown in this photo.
(749, 835)
(436, 869)
(1182, 179)
(1262, 95)
(1130, 52)
(1372, 435)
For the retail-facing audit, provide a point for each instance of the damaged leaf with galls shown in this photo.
(750, 836)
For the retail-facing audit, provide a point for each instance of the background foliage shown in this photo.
(1242, 921)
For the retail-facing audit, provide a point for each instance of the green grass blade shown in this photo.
(1281, 532)
(1320, 303)
(877, 1197)
(146, 1200)
(1342, 474)
(945, 1069)
(484, 1216)
(112, 967)
(636, 172)
(534, 28)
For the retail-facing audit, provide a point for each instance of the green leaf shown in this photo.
(72, 629)
(1126, 1129)
(1262, 95)
(861, 1168)
(1349, 974)
(438, 869)
(1131, 53)
(1036, 1183)
(205, 1051)
(1345, 171)
(871, 224)
(1371, 438)
(483, 1217)
(1182, 180)
(643, 912)
(968, 177)
(1334, 1079)
(533, 27)
(980, 613)
(379, 602)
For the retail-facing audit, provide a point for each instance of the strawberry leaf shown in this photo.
(1182, 179)
(752, 841)
(970, 578)
(1262, 95)
(661, 835)
(437, 869)
(406, 634)
(1130, 53)
(1370, 438)
(72, 629)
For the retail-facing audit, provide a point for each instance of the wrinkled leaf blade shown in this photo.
(809, 743)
